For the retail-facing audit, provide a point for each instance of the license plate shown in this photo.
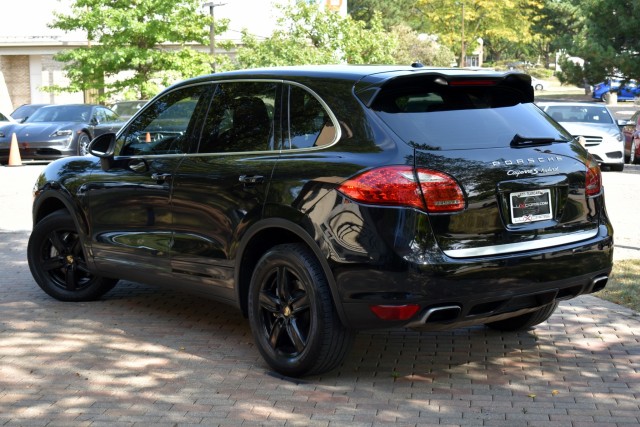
(530, 206)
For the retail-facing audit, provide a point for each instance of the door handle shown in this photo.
(255, 179)
(160, 177)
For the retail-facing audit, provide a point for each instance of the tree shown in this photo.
(392, 13)
(309, 34)
(149, 42)
(501, 24)
(560, 21)
(609, 42)
(413, 47)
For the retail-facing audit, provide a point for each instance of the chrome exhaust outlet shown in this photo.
(598, 283)
(441, 314)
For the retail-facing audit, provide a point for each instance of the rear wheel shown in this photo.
(292, 316)
(57, 263)
(525, 321)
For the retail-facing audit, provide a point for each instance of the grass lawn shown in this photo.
(624, 284)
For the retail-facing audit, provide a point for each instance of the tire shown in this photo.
(83, 144)
(617, 167)
(525, 321)
(57, 261)
(292, 316)
(538, 87)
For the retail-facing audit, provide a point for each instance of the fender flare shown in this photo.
(303, 235)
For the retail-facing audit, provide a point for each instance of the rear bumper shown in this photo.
(455, 292)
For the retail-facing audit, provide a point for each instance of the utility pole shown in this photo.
(462, 49)
(212, 33)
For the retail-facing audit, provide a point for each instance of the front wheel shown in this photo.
(83, 144)
(57, 263)
(525, 321)
(292, 316)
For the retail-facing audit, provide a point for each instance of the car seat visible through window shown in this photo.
(250, 128)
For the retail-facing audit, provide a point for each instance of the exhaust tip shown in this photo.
(442, 314)
(598, 283)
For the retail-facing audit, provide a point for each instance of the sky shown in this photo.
(29, 18)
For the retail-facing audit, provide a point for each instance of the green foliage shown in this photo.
(308, 34)
(149, 40)
(413, 48)
(505, 26)
(608, 42)
(560, 21)
(392, 13)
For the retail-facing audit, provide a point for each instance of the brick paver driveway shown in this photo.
(143, 356)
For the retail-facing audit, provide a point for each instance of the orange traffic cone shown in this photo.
(14, 152)
(148, 137)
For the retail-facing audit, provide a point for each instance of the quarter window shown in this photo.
(309, 124)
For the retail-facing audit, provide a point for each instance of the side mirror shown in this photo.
(103, 147)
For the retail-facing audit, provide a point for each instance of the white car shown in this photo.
(539, 84)
(595, 126)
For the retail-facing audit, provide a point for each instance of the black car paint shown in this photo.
(207, 238)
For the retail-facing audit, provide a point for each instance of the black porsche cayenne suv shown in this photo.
(323, 200)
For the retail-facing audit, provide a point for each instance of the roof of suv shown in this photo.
(374, 75)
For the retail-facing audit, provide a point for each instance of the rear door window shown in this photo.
(242, 118)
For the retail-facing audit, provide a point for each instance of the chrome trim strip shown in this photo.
(522, 246)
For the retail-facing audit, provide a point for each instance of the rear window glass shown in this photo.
(439, 117)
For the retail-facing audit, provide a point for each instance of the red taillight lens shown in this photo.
(398, 186)
(593, 182)
(395, 312)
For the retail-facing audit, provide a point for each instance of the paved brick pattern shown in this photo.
(143, 356)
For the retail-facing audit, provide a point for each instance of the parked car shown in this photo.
(55, 131)
(329, 199)
(21, 113)
(126, 109)
(595, 124)
(625, 92)
(631, 134)
(539, 84)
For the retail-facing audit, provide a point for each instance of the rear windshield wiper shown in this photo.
(522, 141)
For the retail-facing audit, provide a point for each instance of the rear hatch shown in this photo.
(526, 183)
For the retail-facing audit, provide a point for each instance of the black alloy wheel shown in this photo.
(292, 316)
(56, 260)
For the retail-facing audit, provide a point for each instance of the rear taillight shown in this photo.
(593, 181)
(398, 186)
